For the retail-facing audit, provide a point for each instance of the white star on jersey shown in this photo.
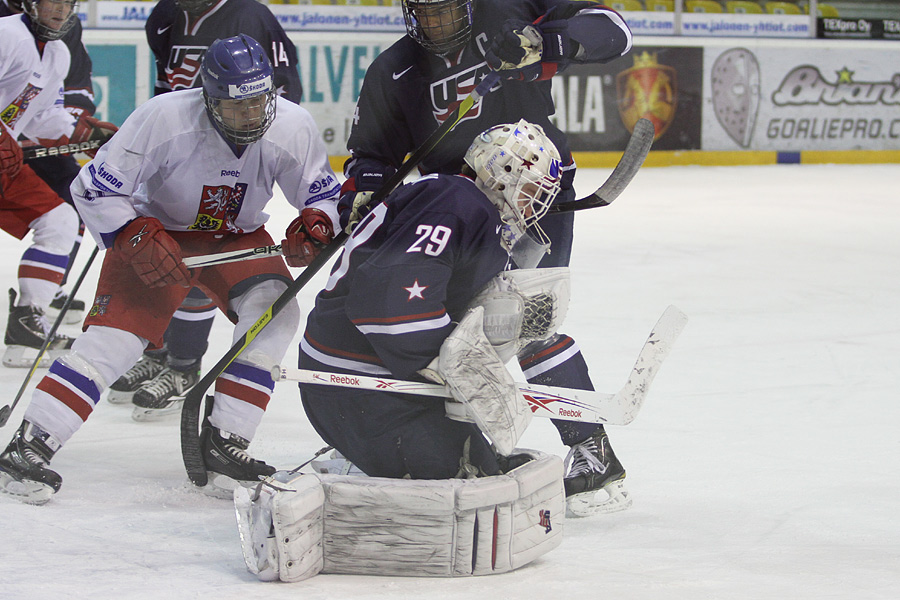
(415, 291)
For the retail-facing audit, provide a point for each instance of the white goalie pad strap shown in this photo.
(523, 306)
(478, 378)
(436, 528)
(281, 529)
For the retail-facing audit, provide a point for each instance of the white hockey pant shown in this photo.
(314, 524)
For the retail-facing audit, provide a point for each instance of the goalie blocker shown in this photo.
(312, 524)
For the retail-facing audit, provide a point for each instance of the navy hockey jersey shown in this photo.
(179, 41)
(407, 91)
(406, 274)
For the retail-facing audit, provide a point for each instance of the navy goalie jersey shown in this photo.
(405, 276)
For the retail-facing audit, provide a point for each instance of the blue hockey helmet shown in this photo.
(439, 26)
(238, 88)
(50, 19)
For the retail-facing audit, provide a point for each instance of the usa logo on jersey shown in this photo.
(449, 93)
(184, 66)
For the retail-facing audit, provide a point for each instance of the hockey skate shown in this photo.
(227, 462)
(75, 312)
(164, 394)
(144, 370)
(26, 332)
(24, 474)
(592, 466)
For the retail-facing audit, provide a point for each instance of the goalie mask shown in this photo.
(439, 26)
(50, 19)
(238, 89)
(518, 168)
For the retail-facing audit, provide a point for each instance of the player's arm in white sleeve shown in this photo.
(103, 190)
(308, 180)
(51, 123)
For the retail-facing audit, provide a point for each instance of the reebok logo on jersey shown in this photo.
(397, 76)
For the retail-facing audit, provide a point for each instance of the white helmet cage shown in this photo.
(518, 168)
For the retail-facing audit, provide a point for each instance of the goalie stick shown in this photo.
(632, 158)
(190, 411)
(545, 401)
(30, 152)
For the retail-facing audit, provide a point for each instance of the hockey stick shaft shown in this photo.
(208, 260)
(545, 401)
(190, 411)
(6, 411)
(31, 152)
(632, 158)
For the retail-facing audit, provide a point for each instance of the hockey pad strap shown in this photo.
(10, 154)
(523, 306)
(281, 528)
(152, 253)
(434, 528)
(478, 378)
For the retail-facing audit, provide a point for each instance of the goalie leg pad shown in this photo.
(478, 378)
(402, 527)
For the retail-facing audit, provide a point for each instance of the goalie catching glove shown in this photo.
(526, 52)
(306, 236)
(152, 253)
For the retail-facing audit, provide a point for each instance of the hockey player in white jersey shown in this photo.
(189, 173)
(33, 66)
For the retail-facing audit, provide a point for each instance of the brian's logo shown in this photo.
(545, 521)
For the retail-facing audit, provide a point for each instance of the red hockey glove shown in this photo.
(10, 154)
(306, 236)
(153, 254)
(526, 52)
(89, 129)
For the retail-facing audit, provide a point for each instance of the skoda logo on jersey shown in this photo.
(252, 88)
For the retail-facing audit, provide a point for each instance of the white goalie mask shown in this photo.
(518, 169)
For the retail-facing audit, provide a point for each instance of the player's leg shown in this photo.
(125, 315)
(592, 464)
(187, 336)
(58, 172)
(394, 436)
(29, 204)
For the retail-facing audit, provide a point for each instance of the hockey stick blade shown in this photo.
(31, 152)
(635, 153)
(545, 401)
(191, 452)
